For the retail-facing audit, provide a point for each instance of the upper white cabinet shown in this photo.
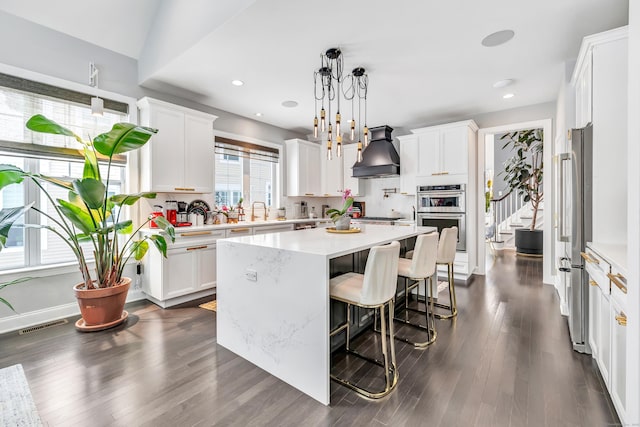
(600, 83)
(331, 175)
(303, 168)
(180, 157)
(408, 163)
(349, 157)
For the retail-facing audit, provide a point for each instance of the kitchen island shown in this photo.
(273, 298)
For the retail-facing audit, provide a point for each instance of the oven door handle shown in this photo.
(442, 194)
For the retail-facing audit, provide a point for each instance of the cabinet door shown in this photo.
(428, 153)
(584, 93)
(454, 151)
(167, 149)
(618, 388)
(604, 342)
(594, 315)
(408, 164)
(350, 155)
(331, 172)
(310, 170)
(206, 267)
(199, 157)
(179, 273)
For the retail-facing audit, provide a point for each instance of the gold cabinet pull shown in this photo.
(309, 194)
(195, 248)
(615, 278)
(621, 319)
(195, 233)
(440, 173)
(593, 283)
(239, 230)
(184, 189)
(587, 257)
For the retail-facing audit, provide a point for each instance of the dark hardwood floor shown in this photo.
(506, 360)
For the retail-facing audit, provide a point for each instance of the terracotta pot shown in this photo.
(104, 306)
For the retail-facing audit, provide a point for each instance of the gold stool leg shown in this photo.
(348, 338)
(452, 307)
(385, 355)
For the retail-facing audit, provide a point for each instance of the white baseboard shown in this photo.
(37, 317)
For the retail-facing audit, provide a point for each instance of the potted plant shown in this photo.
(90, 214)
(523, 173)
(341, 217)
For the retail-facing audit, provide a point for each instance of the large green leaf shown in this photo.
(10, 174)
(123, 227)
(79, 217)
(160, 242)
(123, 137)
(7, 217)
(91, 168)
(165, 226)
(130, 199)
(40, 123)
(60, 182)
(139, 249)
(91, 191)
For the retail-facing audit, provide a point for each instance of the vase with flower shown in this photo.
(341, 217)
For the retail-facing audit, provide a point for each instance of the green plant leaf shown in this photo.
(68, 184)
(124, 227)
(139, 249)
(123, 137)
(91, 191)
(160, 243)
(130, 199)
(91, 167)
(40, 123)
(165, 226)
(10, 174)
(79, 217)
(7, 217)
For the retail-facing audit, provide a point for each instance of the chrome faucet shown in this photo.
(253, 205)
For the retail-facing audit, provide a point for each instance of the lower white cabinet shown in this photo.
(272, 229)
(618, 387)
(604, 335)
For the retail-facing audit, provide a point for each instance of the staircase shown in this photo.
(506, 214)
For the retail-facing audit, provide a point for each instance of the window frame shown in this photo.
(131, 179)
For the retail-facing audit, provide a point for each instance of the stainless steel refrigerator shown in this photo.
(576, 170)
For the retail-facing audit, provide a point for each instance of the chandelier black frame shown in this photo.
(329, 85)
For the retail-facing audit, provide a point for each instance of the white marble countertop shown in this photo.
(319, 241)
(240, 224)
(614, 254)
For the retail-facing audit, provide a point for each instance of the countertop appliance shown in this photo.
(443, 206)
(575, 229)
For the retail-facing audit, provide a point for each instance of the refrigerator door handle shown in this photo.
(563, 235)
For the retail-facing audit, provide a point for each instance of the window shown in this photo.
(245, 169)
(51, 155)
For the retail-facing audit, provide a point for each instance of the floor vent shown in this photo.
(43, 326)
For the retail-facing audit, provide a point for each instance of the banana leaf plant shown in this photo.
(90, 214)
(523, 171)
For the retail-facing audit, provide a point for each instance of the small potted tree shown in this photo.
(523, 174)
(90, 214)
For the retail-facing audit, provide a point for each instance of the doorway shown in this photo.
(488, 169)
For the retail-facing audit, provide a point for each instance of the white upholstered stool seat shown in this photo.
(373, 289)
(446, 256)
(421, 267)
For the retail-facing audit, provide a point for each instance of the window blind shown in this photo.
(244, 149)
(20, 99)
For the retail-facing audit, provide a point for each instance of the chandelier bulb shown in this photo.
(359, 158)
(338, 123)
(315, 127)
(339, 145)
(322, 120)
(329, 150)
(366, 135)
(353, 129)
(330, 133)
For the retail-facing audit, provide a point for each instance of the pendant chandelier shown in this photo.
(329, 86)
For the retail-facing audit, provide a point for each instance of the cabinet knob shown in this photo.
(615, 278)
(621, 319)
(593, 283)
(587, 257)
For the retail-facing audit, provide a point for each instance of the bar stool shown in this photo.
(421, 266)
(374, 289)
(446, 256)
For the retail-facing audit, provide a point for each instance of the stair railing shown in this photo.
(504, 208)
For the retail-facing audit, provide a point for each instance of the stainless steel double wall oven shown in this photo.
(443, 206)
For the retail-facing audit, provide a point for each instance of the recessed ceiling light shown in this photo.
(237, 82)
(508, 95)
(290, 104)
(498, 38)
(502, 83)
(259, 114)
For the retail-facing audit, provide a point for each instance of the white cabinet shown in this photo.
(618, 387)
(267, 229)
(303, 168)
(350, 156)
(188, 272)
(583, 92)
(331, 175)
(239, 231)
(408, 164)
(180, 157)
(604, 335)
(594, 317)
(442, 150)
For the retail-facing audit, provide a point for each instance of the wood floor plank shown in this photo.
(505, 361)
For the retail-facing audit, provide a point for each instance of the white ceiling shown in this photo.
(424, 60)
